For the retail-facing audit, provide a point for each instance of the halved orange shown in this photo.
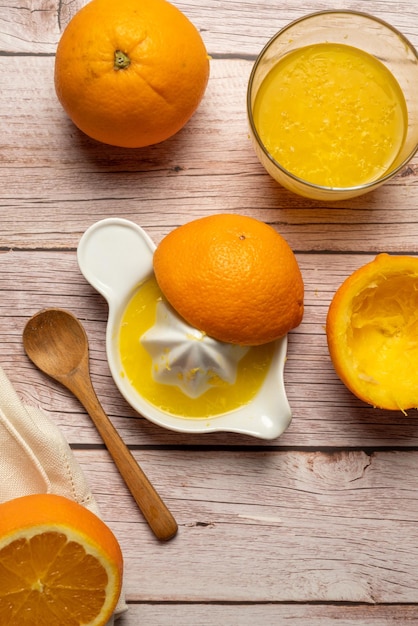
(60, 565)
(372, 332)
(232, 277)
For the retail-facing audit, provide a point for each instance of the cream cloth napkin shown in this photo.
(36, 458)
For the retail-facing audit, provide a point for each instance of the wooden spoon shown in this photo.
(57, 344)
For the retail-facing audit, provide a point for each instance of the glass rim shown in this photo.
(260, 56)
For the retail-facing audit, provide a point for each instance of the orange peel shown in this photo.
(232, 277)
(372, 332)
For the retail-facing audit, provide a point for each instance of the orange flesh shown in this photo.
(382, 337)
(46, 579)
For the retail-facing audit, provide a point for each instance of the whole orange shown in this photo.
(59, 563)
(233, 277)
(130, 73)
(372, 332)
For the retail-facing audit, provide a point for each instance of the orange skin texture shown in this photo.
(43, 513)
(155, 95)
(233, 277)
(372, 332)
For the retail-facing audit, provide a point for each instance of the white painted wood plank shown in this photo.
(155, 614)
(59, 181)
(325, 413)
(235, 27)
(271, 526)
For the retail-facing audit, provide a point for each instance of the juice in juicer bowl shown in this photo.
(373, 40)
(115, 256)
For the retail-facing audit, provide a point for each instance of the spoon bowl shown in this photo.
(56, 342)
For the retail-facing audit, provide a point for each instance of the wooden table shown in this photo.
(318, 526)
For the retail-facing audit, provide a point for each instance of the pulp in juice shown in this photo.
(332, 115)
(137, 365)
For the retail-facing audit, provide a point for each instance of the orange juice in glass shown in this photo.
(331, 106)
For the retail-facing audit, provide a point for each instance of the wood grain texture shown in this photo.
(324, 412)
(213, 614)
(299, 526)
(316, 527)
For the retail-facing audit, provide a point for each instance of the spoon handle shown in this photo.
(158, 516)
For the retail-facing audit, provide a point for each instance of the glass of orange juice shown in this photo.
(332, 104)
